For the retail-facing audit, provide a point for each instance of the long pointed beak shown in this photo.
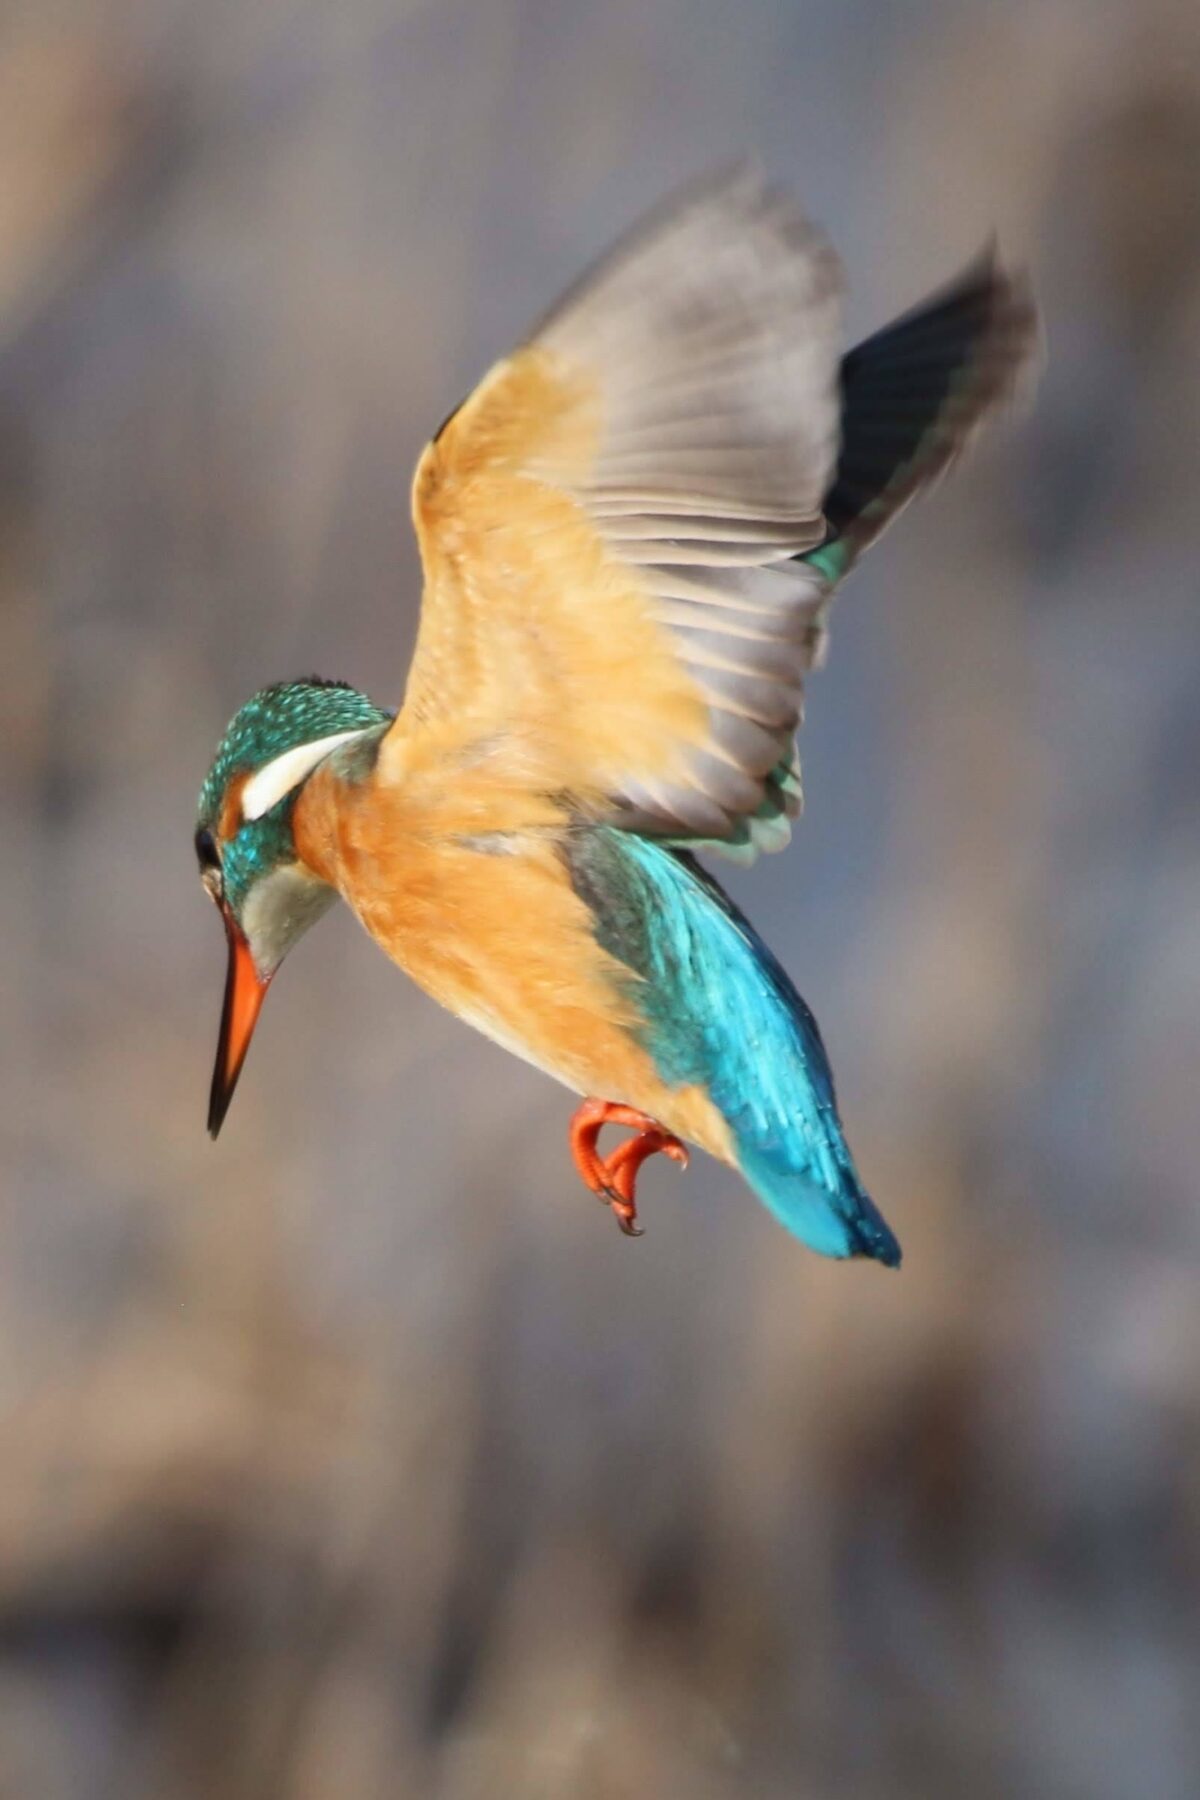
(245, 991)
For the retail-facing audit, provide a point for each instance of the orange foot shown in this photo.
(614, 1178)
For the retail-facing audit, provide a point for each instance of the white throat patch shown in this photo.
(278, 777)
(279, 909)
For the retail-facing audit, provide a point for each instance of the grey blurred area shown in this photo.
(359, 1455)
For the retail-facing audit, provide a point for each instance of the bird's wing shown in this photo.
(608, 523)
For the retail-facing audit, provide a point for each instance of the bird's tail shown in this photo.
(769, 1076)
(912, 396)
(721, 1013)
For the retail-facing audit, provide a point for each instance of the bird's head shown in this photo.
(249, 864)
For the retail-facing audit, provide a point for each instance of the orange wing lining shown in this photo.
(528, 623)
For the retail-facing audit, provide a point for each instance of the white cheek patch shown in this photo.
(278, 910)
(269, 784)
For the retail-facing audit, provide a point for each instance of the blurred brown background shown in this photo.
(359, 1456)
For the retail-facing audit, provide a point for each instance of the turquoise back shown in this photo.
(719, 1010)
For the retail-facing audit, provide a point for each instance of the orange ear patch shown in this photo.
(229, 821)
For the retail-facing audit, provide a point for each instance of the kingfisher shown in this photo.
(630, 534)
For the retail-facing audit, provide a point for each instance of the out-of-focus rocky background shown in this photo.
(359, 1456)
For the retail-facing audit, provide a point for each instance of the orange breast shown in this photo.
(461, 882)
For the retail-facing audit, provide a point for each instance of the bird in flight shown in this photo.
(630, 533)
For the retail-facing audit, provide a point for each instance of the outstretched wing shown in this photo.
(632, 529)
(609, 524)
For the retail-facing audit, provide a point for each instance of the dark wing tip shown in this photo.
(915, 393)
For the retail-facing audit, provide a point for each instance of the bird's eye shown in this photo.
(206, 849)
(209, 858)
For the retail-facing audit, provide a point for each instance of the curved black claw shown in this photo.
(622, 1212)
